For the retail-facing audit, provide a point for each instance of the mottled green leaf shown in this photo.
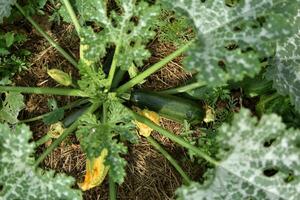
(232, 39)
(5, 8)
(12, 105)
(18, 177)
(94, 136)
(285, 71)
(249, 148)
(129, 28)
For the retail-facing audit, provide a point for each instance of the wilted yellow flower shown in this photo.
(209, 114)
(95, 172)
(143, 129)
(60, 77)
(56, 130)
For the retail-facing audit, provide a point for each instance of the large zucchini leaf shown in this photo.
(259, 160)
(119, 29)
(19, 179)
(128, 28)
(232, 38)
(285, 71)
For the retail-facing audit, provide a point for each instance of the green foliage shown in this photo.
(231, 40)
(11, 106)
(210, 95)
(280, 105)
(35, 6)
(119, 29)
(5, 8)
(173, 29)
(18, 177)
(94, 136)
(254, 87)
(250, 150)
(285, 71)
(203, 139)
(56, 113)
(11, 62)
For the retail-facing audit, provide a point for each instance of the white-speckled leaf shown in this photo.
(254, 147)
(129, 28)
(233, 39)
(285, 71)
(5, 8)
(19, 179)
(12, 105)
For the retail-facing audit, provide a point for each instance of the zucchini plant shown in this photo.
(257, 159)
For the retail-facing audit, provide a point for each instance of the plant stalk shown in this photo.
(64, 135)
(112, 189)
(72, 15)
(47, 37)
(174, 138)
(44, 90)
(42, 140)
(157, 146)
(68, 106)
(183, 88)
(139, 78)
(118, 78)
(113, 67)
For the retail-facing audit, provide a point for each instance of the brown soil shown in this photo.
(171, 75)
(149, 174)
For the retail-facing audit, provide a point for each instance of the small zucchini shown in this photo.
(169, 106)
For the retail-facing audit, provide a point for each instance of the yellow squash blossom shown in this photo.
(95, 172)
(143, 129)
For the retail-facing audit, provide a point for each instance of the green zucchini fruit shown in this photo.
(72, 117)
(169, 106)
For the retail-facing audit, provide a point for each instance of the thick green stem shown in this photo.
(139, 78)
(113, 67)
(118, 78)
(47, 37)
(68, 106)
(156, 145)
(104, 113)
(183, 88)
(42, 140)
(270, 98)
(42, 90)
(112, 189)
(64, 135)
(174, 138)
(72, 15)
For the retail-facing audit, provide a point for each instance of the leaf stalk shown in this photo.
(44, 90)
(113, 67)
(157, 146)
(183, 89)
(112, 189)
(68, 106)
(142, 76)
(72, 14)
(174, 138)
